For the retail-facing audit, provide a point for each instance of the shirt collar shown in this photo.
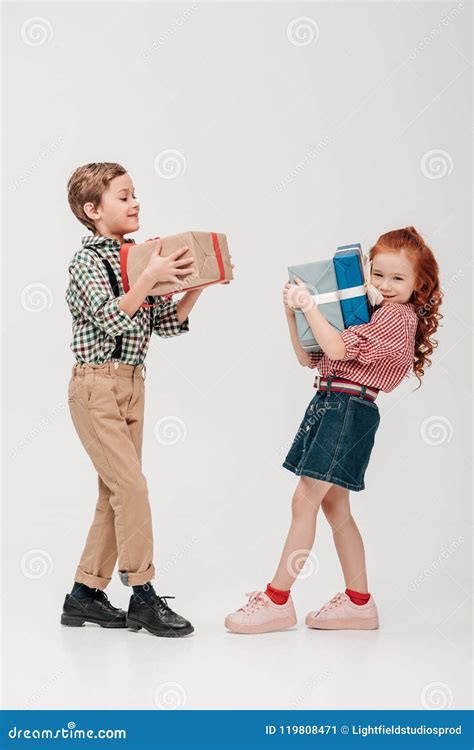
(106, 243)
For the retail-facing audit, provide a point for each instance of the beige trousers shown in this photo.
(107, 408)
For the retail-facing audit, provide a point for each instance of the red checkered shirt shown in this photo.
(379, 353)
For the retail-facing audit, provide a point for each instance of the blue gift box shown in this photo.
(348, 265)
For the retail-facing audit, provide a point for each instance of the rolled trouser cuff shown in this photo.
(137, 579)
(94, 582)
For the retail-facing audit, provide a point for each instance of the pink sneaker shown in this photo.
(340, 612)
(261, 615)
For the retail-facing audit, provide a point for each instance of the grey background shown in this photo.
(292, 149)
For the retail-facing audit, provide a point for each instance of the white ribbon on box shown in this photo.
(373, 295)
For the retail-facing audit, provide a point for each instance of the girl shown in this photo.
(331, 450)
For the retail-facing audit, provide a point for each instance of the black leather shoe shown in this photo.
(95, 609)
(153, 614)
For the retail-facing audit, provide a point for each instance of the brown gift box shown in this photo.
(211, 260)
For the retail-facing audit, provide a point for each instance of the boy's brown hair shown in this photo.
(86, 185)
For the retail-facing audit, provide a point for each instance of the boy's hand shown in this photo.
(297, 296)
(172, 268)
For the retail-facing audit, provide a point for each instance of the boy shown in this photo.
(111, 334)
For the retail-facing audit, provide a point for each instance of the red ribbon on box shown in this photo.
(123, 270)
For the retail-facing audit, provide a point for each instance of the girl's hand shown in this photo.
(297, 296)
(288, 310)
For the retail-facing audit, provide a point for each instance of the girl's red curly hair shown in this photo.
(427, 294)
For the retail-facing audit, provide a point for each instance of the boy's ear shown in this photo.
(90, 211)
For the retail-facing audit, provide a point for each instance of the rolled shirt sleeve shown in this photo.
(315, 358)
(386, 335)
(97, 303)
(166, 321)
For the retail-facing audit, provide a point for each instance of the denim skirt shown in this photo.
(335, 439)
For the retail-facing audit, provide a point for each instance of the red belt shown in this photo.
(341, 385)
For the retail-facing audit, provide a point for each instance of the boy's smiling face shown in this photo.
(118, 211)
(393, 275)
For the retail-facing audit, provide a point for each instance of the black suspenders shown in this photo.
(117, 353)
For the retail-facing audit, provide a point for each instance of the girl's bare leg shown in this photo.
(347, 538)
(305, 505)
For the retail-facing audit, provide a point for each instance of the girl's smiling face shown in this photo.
(393, 275)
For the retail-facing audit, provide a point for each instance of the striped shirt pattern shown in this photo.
(96, 317)
(379, 353)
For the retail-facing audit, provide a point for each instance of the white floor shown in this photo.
(406, 664)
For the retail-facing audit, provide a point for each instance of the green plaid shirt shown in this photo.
(96, 316)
